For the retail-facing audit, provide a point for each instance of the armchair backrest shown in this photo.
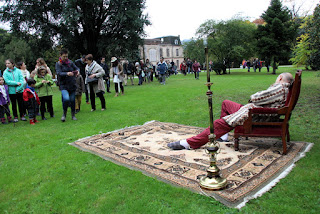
(294, 93)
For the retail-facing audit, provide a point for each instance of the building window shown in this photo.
(153, 55)
(168, 52)
(161, 52)
(176, 42)
(177, 52)
(178, 65)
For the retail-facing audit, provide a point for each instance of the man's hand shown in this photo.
(70, 74)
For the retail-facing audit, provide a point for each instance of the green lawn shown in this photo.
(41, 173)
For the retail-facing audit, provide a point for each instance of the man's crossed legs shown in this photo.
(221, 128)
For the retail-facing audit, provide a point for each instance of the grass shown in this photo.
(41, 173)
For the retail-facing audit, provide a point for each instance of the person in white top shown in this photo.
(25, 73)
(116, 72)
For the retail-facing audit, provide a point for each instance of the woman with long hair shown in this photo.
(14, 79)
(40, 62)
(116, 72)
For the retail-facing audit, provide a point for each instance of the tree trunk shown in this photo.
(274, 67)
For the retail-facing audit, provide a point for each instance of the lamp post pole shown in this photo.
(213, 180)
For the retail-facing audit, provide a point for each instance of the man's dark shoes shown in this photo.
(175, 146)
(220, 140)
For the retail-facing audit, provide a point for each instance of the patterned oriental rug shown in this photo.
(250, 172)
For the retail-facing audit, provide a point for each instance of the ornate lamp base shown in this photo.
(214, 183)
(213, 180)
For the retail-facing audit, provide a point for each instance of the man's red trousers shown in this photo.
(220, 126)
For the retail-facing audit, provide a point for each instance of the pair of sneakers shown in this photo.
(15, 120)
(63, 118)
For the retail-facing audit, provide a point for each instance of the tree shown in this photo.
(314, 39)
(276, 37)
(302, 51)
(14, 48)
(229, 41)
(194, 50)
(99, 27)
(307, 51)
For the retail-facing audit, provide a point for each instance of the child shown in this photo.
(43, 85)
(25, 73)
(4, 102)
(31, 100)
(79, 91)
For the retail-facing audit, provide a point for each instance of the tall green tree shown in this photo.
(276, 37)
(314, 39)
(302, 51)
(194, 50)
(14, 48)
(229, 41)
(99, 27)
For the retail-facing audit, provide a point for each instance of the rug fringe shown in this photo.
(277, 179)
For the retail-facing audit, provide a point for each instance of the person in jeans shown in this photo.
(162, 68)
(67, 71)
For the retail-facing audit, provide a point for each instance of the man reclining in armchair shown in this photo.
(234, 114)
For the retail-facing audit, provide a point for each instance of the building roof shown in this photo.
(173, 40)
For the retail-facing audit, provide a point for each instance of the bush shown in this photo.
(314, 60)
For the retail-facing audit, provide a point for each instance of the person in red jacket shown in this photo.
(196, 69)
(31, 100)
(183, 67)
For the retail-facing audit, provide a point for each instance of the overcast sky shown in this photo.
(181, 17)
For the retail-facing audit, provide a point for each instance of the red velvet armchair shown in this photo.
(259, 123)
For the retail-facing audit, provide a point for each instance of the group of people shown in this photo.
(187, 67)
(31, 93)
(17, 87)
(255, 64)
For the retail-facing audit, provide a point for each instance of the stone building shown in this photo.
(168, 47)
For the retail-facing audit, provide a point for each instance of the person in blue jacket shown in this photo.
(14, 79)
(162, 68)
(67, 71)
